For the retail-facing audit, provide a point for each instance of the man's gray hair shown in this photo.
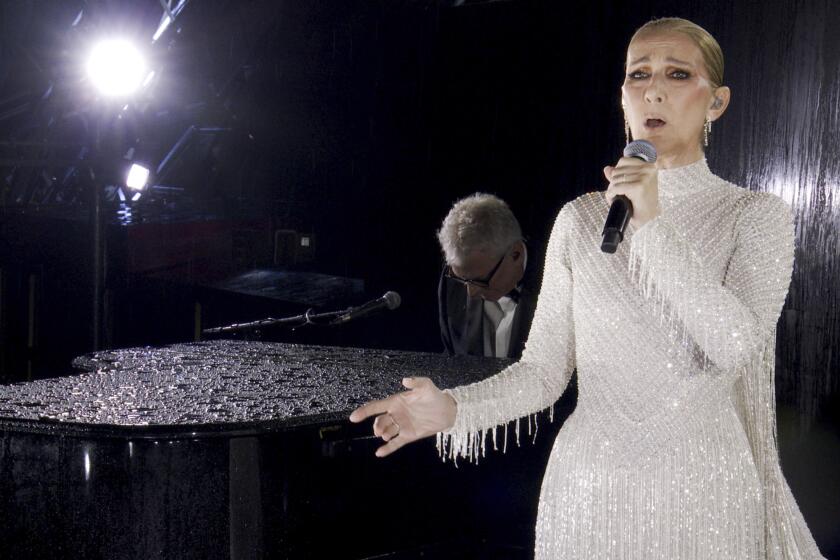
(480, 222)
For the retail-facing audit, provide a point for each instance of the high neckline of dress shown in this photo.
(684, 179)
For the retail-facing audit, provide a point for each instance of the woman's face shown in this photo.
(667, 95)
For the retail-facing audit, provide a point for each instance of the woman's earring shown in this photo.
(707, 129)
(626, 122)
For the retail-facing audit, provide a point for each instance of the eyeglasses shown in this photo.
(482, 283)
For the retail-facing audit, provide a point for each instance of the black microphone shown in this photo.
(391, 300)
(621, 209)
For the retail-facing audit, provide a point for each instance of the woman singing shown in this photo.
(671, 451)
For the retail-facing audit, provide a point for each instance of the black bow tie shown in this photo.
(515, 294)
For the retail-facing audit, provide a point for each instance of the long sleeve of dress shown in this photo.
(730, 322)
(539, 378)
(733, 324)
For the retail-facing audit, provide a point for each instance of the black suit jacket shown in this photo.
(462, 318)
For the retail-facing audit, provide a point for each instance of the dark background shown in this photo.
(360, 122)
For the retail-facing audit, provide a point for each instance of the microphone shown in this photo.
(391, 300)
(621, 209)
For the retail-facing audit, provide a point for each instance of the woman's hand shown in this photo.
(637, 180)
(422, 411)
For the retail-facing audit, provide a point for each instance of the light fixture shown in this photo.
(137, 177)
(116, 67)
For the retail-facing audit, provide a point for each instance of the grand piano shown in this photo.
(233, 449)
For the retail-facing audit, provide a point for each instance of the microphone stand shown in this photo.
(307, 318)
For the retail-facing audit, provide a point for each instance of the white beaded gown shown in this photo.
(671, 451)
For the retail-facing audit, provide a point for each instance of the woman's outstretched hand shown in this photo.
(638, 181)
(402, 418)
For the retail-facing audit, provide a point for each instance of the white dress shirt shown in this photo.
(498, 323)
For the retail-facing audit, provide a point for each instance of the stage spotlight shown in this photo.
(116, 67)
(137, 177)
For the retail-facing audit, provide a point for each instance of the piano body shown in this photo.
(228, 449)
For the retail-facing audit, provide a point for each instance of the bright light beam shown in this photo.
(116, 67)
